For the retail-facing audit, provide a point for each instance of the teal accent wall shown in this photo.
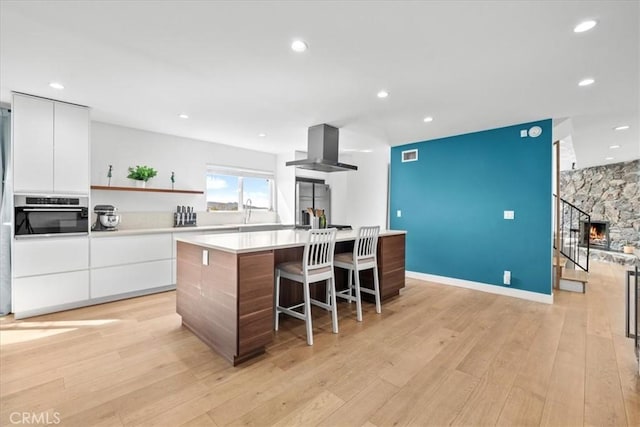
(453, 198)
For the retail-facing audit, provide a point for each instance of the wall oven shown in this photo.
(42, 216)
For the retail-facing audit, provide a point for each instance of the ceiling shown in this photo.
(471, 65)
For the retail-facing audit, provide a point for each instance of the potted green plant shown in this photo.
(141, 174)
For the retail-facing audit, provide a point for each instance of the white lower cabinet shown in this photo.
(33, 295)
(123, 279)
(50, 255)
(116, 250)
(121, 265)
(49, 273)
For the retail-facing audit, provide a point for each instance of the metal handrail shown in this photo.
(570, 249)
(573, 206)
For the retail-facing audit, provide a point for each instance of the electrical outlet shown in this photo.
(523, 133)
(506, 277)
(399, 213)
(509, 214)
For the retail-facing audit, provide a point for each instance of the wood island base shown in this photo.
(226, 298)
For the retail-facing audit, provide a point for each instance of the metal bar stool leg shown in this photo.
(276, 313)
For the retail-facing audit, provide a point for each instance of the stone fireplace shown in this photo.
(595, 233)
(611, 194)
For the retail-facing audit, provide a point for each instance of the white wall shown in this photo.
(368, 188)
(285, 181)
(357, 197)
(123, 147)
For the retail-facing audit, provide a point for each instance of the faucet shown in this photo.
(247, 211)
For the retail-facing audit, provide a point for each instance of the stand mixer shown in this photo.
(106, 218)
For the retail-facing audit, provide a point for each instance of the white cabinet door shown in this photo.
(123, 279)
(50, 255)
(114, 250)
(32, 144)
(71, 149)
(40, 292)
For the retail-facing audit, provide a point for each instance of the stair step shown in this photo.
(575, 275)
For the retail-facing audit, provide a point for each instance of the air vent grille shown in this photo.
(410, 156)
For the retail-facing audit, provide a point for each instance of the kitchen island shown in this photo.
(225, 283)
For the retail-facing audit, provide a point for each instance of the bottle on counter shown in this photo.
(323, 220)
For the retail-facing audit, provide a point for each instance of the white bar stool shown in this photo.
(316, 266)
(363, 257)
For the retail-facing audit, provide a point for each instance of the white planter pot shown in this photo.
(141, 184)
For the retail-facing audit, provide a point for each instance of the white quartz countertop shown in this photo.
(266, 240)
(204, 228)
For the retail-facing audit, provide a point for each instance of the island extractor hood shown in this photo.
(322, 151)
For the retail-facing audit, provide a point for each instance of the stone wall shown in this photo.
(608, 193)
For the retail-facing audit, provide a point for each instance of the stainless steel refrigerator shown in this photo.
(314, 195)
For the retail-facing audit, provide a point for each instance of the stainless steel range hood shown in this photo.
(322, 151)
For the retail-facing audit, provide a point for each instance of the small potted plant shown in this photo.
(141, 174)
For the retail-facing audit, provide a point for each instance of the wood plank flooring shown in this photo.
(437, 355)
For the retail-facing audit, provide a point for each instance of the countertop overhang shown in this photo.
(266, 240)
(203, 228)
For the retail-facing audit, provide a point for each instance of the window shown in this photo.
(230, 189)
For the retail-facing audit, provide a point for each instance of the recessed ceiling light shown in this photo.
(183, 116)
(428, 119)
(56, 85)
(608, 158)
(613, 147)
(584, 26)
(586, 82)
(298, 46)
(262, 135)
(383, 94)
(625, 127)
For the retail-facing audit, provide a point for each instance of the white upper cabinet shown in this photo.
(32, 144)
(71, 149)
(50, 146)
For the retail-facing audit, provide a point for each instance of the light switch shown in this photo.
(523, 133)
(399, 213)
(509, 214)
(205, 257)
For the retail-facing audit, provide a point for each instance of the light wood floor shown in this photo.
(437, 355)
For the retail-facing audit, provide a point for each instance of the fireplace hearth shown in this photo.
(595, 233)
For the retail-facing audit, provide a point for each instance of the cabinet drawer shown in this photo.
(32, 293)
(108, 251)
(50, 255)
(129, 278)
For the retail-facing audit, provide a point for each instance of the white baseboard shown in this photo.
(484, 287)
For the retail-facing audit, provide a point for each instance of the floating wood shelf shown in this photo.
(149, 190)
